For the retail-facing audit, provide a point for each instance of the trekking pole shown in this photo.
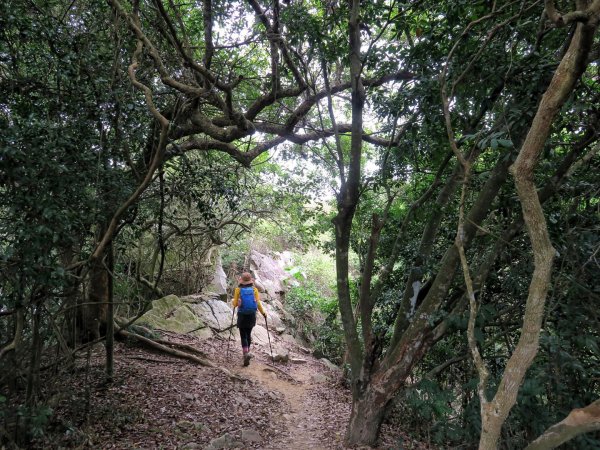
(269, 336)
(230, 332)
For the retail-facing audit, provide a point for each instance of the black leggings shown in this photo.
(246, 336)
(245, 323)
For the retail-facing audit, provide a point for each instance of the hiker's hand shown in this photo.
(264, 315)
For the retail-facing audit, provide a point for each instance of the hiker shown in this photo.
(247, 298)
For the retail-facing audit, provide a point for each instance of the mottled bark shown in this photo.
(366, 416)
(572, 65)
(580, 420)
(415, 277)
(417, 338)
(10, 353)
(93, 311)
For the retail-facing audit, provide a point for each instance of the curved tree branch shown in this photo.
(579, 420)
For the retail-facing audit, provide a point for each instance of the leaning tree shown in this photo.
(458, 89)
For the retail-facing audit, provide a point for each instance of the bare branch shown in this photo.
(157, 158)
(275, 38)
(590, 15)
(13, 345)
(164, 75)
(579, 420)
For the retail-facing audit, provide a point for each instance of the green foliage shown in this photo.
(319, 268)
(26, 424)
(316, 319)
(38, 420)
(302, 300)
(76, 139)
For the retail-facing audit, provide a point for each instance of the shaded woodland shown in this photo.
(445, 153)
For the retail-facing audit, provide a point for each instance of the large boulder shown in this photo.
(273, 316)
(172, 314)
(259, 336)
(269, 274)
(215, 313)
(218, 284)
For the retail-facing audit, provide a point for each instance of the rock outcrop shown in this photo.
(215, 313)
(210, 312)
(271, 278)
(170, 313)
(218, 284)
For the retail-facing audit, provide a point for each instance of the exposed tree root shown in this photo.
(177, 353)
(275, 369)
(155, 360)
(181, 346)
(178, 345)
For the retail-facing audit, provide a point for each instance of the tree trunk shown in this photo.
(368, 411)
(110, 316)
(572, 65)
(347, 199)
(33, 378)
(93, 312)
(11, 352)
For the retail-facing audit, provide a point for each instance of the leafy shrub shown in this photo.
(317, 320)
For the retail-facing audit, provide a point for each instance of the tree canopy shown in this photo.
(451, 146)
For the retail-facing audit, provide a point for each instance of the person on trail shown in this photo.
(246, 297)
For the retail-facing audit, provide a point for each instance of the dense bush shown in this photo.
(317, 320)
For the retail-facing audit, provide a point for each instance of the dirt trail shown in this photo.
(308, 416)
(156, 401)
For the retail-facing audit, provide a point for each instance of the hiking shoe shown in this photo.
(247, 357)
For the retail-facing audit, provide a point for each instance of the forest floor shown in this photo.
(157, 401)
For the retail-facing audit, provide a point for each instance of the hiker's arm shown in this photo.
(258, 303)
(236, 297)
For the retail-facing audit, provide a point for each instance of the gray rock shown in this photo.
(298, 361)
(250, 435)
(171, 314)
(269, 273)
(199, 298)
(330, 365)
(191, 446)
(215, 313)
(219, 282)
(260, 287)
(281, 357)
(288, 338)
(281, 354)
(225, 441)
(277, 305)
(273, 317)
(259, 334)
(319, 378)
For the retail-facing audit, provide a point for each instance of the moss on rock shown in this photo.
(171, 314)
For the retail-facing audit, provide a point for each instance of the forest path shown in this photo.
(157, 401)
(308, 416)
